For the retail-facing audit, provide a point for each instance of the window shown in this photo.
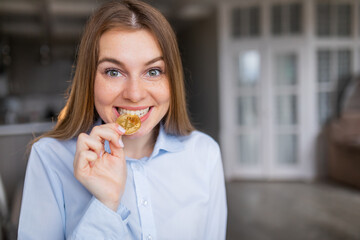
(344, 20)
(286, 19)
(277, 20)
(248, 149)
(334, 66)
(286, 107)
(286, 69)
(333, 19)
(324, 65)
(325, 105)
(247, 111)
(286, 79)
(287, 149)
(246, 22)
(249, 68)
(295, 11)
(344, 64)
(248, 80)
(324, 21)
(247, 107)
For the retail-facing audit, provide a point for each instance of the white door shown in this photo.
(266, 99)
(263, 117)
(286, 109)
(248, 114)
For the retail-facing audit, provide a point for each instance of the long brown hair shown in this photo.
(79, 113)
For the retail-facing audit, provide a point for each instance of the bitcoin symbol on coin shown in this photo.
(131, 123)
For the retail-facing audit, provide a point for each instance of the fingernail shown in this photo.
(121, 129)
(102, 153)
(121, 143)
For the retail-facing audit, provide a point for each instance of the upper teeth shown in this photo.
(140, 113)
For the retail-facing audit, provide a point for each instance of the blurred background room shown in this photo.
(275, 82)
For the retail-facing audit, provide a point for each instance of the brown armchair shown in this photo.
(344, 149)
(344, 135)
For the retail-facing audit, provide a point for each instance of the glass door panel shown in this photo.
(324, 66)
(248, 149)
(325, 106)
(249, 68)
(248, 115)
(323, 19)
(287, 149)
(334, 19)
(333, 67)
(286, 108)
(344, 63)
(344, 17)
(286, 73)
(247, 111)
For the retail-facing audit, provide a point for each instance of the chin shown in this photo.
(141, 133)
(137, 134)
(132, 136)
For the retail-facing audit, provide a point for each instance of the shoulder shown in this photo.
(51, 151)
(200, 142)
(202, 153)
(46, 144)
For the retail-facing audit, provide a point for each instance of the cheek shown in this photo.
(164, 95)
(103, 93)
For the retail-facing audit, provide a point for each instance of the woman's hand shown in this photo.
(103, 174)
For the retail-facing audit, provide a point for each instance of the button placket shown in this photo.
(144, 201)
(136, 166)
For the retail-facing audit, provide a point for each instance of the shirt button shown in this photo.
(144, 202)
(149, 237)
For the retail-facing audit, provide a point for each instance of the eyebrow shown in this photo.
(117, 62)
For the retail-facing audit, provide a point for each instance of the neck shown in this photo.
(138, 148)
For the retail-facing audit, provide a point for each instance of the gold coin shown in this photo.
(131, 123)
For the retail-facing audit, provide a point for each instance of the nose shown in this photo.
(134, 90)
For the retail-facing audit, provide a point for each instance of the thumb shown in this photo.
(117, 149)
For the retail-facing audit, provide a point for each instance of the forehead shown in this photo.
(120, 41)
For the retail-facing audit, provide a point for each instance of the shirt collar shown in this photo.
(166, 142)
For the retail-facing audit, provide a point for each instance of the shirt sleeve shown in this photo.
(100, 222)
(217, 215)
(43, 209)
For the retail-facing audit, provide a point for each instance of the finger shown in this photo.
(87, 142)
(90, 158)
(115, 126)
(117, 149)
(119, 129)
(106, 132)
(81, 142)
(85, 160)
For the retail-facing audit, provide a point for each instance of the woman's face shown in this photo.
(131, 78)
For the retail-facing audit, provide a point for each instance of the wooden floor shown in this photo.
(292, 211)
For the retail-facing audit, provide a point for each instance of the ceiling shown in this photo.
(59, 20)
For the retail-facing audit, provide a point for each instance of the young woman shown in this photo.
(85, 179)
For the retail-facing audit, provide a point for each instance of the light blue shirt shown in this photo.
(176, 193)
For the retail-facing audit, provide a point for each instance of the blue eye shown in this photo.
(154, 72)
(113, 73)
